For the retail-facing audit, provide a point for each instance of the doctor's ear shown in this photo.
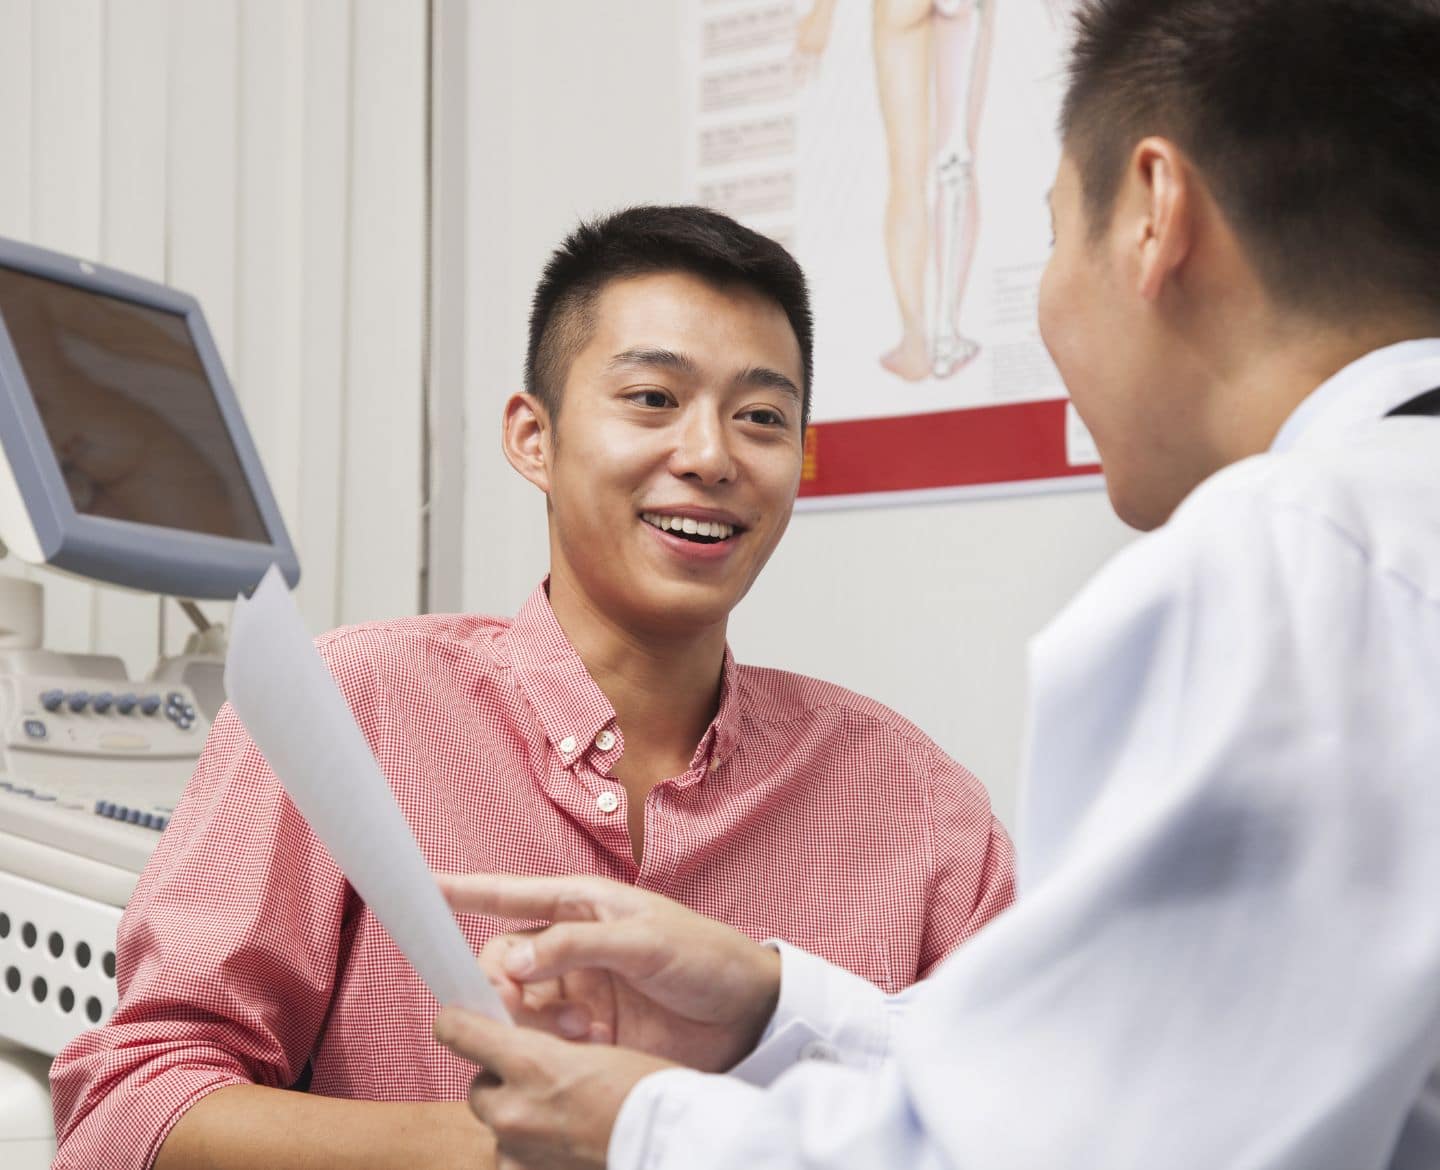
(1164, 193)
(527, 439)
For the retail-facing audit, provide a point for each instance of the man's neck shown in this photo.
(1253, 401)
(664, 687)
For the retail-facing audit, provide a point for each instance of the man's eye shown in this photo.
(765, 416)
(651, 398)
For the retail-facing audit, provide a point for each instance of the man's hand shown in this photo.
(550, 1103)
(624, 966)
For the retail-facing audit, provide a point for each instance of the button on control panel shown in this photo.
(80, 701)
(153, 818)
(48, 716)
(179, 710)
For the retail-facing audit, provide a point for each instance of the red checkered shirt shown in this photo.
(808, 813)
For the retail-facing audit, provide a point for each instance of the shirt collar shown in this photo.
(1363, 391)
(723, 734)
(571, 707)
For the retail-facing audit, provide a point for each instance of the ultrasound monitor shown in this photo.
(124, 457)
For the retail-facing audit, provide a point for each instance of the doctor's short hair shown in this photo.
(646, 240)
(1315, 124)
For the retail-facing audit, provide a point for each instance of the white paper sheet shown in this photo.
(294, 711)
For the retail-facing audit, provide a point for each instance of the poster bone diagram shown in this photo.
(903, 150)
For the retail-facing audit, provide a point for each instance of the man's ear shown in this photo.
(1163, 198)
(527, 439)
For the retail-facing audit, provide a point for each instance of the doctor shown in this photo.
(1227, 949)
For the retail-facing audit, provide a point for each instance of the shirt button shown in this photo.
(567, 745)
(607, 802)
(605, 740)
(819, 1050)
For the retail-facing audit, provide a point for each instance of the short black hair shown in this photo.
(639, 241)
(1315, 124)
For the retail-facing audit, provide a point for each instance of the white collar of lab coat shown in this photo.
(1363, 391)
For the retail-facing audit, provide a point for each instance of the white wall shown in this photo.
(575, 107)
(269, 157)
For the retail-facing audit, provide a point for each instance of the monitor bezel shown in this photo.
(128, 553)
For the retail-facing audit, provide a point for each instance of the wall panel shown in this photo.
(65, 157)
(325, 186)
(202, 189)
(15, 69)
(269, 157)
(269, 258)
(383, 425)
(134, 126)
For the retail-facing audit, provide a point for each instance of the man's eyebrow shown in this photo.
(653, 358)
(765, 377)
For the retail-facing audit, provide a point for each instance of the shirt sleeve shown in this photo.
(825, 1013)
(973, 871)
(225, 961)
(1228, 956)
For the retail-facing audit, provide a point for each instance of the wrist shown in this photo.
(465, 1139)
(765, 997)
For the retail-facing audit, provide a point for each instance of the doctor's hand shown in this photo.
(549, 1103)
(624, 966)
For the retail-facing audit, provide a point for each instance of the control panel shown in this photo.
(93, 767)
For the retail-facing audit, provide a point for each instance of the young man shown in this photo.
(1227, 951)
(606, 730)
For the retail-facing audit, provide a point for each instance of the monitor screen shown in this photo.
(124, 454)
(128, 409)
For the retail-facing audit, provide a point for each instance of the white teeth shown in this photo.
(689, 526)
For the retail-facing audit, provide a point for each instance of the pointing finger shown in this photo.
(524, 897)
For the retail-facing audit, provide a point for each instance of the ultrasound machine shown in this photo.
(124, 459)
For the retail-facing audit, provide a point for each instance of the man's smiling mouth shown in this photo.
(688, 528)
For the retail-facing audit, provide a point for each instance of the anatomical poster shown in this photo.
(903, 150)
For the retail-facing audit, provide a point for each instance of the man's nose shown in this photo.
(703, 449)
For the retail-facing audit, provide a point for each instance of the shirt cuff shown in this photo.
(645, 1134)
(824, 1013)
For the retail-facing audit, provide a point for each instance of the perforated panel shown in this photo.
(57, 964)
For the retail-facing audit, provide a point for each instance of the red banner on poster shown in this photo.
(1018, 443)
